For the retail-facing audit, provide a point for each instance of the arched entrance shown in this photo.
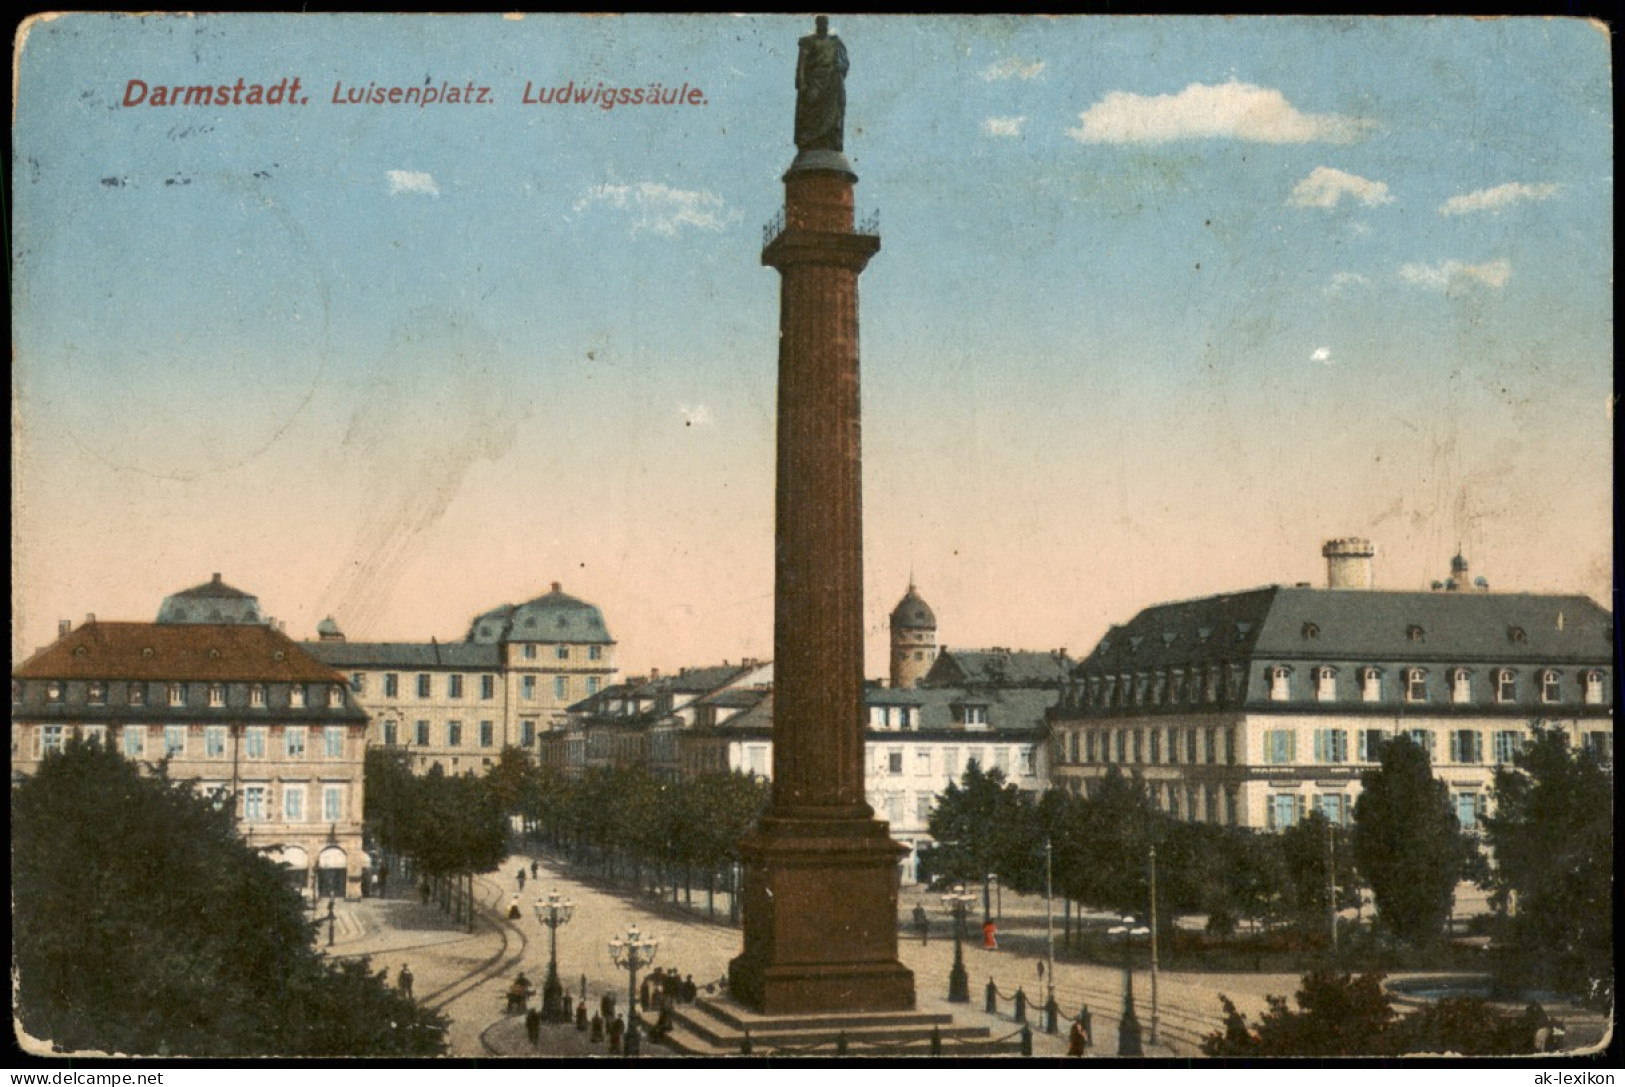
(331, 867)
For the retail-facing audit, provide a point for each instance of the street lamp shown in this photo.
(632, 954)
(957, 902)
(1128, 1033)
(553, 911)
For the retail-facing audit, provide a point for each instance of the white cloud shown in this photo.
(1326, 187)
(661, 208)
(1239, 111)
(1493, 273)
(698, 415)
(1342, 281)
(412, 181)
(1495, 199)
(1003, 126)
(1012, 68)
(1321, 354)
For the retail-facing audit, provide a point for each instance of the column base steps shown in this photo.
(718, 1026)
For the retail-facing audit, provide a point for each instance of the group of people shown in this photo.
(663, 988)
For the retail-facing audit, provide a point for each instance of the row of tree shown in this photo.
(1551, 836)
(142, 924)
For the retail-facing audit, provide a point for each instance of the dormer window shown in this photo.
(217, 695)
(1371, 684)
(1516, 636)
(1413, 633)
(97, 693)
(177, 694)
(256, 696)
(1506, 686)
(1593, 688)
(54, 691)
(1461, 687)
(1325, 683)
(1310, 632)
(335, 697)
(1280, 683)
(137, 694)
(1416, 685)
(1551, 686)
(296, 696)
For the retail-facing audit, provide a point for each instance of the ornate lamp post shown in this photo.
(1128, 1033)
(957, 903)
(553, 911)
(632, 954)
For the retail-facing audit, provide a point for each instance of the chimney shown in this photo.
(555, 586)
(1348, 563)
(63, 626)
(654, 674)
(90, 617)
(216, 579)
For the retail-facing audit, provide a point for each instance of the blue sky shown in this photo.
(1162, 304)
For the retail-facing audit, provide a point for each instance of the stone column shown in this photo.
(820, 894)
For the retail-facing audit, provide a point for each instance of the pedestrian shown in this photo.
(533, 1027)
(383, 880)
(606, 1006)
(643, 992)
(597, 1028)
(922, 923)
(662, 1026)
(990, 936)
(670, 986)
(690, 991)
(513, 909)
(581, 1016)
(1040, 970)
(533, 869)
(403, 981)
(423, 890)
(521, 877)
(616, 1030)
(1077, 1040)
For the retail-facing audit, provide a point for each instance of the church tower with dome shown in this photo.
(913, 639)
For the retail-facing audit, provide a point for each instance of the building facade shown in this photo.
(236, 707)
(458, 704)
(1251, 708)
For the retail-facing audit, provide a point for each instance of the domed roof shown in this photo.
(212, 602)
(555, 617)
(913, 613)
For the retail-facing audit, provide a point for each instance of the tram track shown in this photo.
(497, 963)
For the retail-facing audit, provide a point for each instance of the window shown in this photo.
(1156, 745)
(1029, 761)
(1139, 745)
(214, 742)
(488, 687)
(423, 733)
(1601, 746)
(488, 733)
(256, 800)
(561, 688)
(1325, 684)
(1466, 746)
(358, 682)
(974, 754)
(333, 741)
(527, 687)
(174, 740)
(562, 652)
(1280, 678)
(1281, 810)
(1001, 760)
(1468, 807)
(1230, 745)
(293, 803)
(1070, 744)
(1371, 741)
(595, 652)
(922, 761)
(922, 807)
(1331, 745)
(97, 693)
(215, 793)
(454, 686)
(1416, 685)
(177, 694)
(1335, 807)
(94, 734)
(1506, 685)
(293, 741)
(950, 763)
(527, 732)
(389, 734)
(894, 761)
(1280, 746)
(894, 808)
(1551, 686)
(335, 697)
(1422, 738)
(975, 716)
(454, 734)
(756, 760)
(256, 696)
(592, 685)
(530, 652)
(1190, 744)
(296, 696)
(1593, 688)
(1210, 741)
(52, 738)
(1508, 742)
(135, 741)
(254, 742)
(1089, 745)
(1371, 684)
(138, 694)
(1461, 687)
(392, 685)
(425, 684)
(332, 803)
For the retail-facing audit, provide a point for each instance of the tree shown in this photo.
(1308, 850)
(975, 824)
(143, 924)
(1407, 842)
(1552, 836)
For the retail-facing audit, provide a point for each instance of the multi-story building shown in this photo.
(1248, 708)
(458, 704)
(231, 704)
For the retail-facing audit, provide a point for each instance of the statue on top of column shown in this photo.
(820, 90)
